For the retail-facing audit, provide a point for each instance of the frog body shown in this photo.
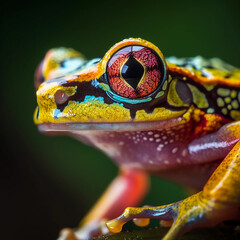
(173, 118)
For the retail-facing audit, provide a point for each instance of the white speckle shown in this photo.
(160, 147)
(156, 135)
(158, 140)
(178, 160)
(150, 133)
(164, 137)
(166, 142)
(184, 152)
(151, 162)
(112, 135)
(144, 138)
(175, 150)
(133, 138)
(127, 134)
(171, 140)
(151, 139)
(166, 162)
(121, 143)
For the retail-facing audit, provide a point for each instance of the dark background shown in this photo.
(47, 183)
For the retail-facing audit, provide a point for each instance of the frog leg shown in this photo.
(219, 201)
(128, 189)
(216, 145)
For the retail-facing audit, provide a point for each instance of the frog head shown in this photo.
(131, 86)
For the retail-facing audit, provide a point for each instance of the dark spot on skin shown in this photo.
(228, 75)
(209, 67)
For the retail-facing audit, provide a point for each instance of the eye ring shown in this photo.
(135, 71)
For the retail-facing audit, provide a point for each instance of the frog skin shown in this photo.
(176, 118)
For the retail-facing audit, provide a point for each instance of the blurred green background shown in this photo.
(48, 183)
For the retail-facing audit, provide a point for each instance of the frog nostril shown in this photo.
(60, 97)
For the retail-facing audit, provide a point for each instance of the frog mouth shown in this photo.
(74, 127)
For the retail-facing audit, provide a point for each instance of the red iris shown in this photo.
(134, 71)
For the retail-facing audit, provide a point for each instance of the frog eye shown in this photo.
(135, 71)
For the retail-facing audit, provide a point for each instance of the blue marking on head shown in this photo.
(95, 83)
(56, 112)
(89, 98)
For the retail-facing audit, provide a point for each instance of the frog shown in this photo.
(175, 118)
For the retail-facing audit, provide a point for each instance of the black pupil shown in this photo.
(132, 72)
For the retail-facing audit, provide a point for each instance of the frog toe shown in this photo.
(181, 217)
(87, 231)
(67, 234)
(142, 215)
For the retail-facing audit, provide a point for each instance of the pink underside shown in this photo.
(169, 151)
(165, 149)
(192, 176)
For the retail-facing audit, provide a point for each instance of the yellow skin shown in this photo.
(97, 111)
(201, 100)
